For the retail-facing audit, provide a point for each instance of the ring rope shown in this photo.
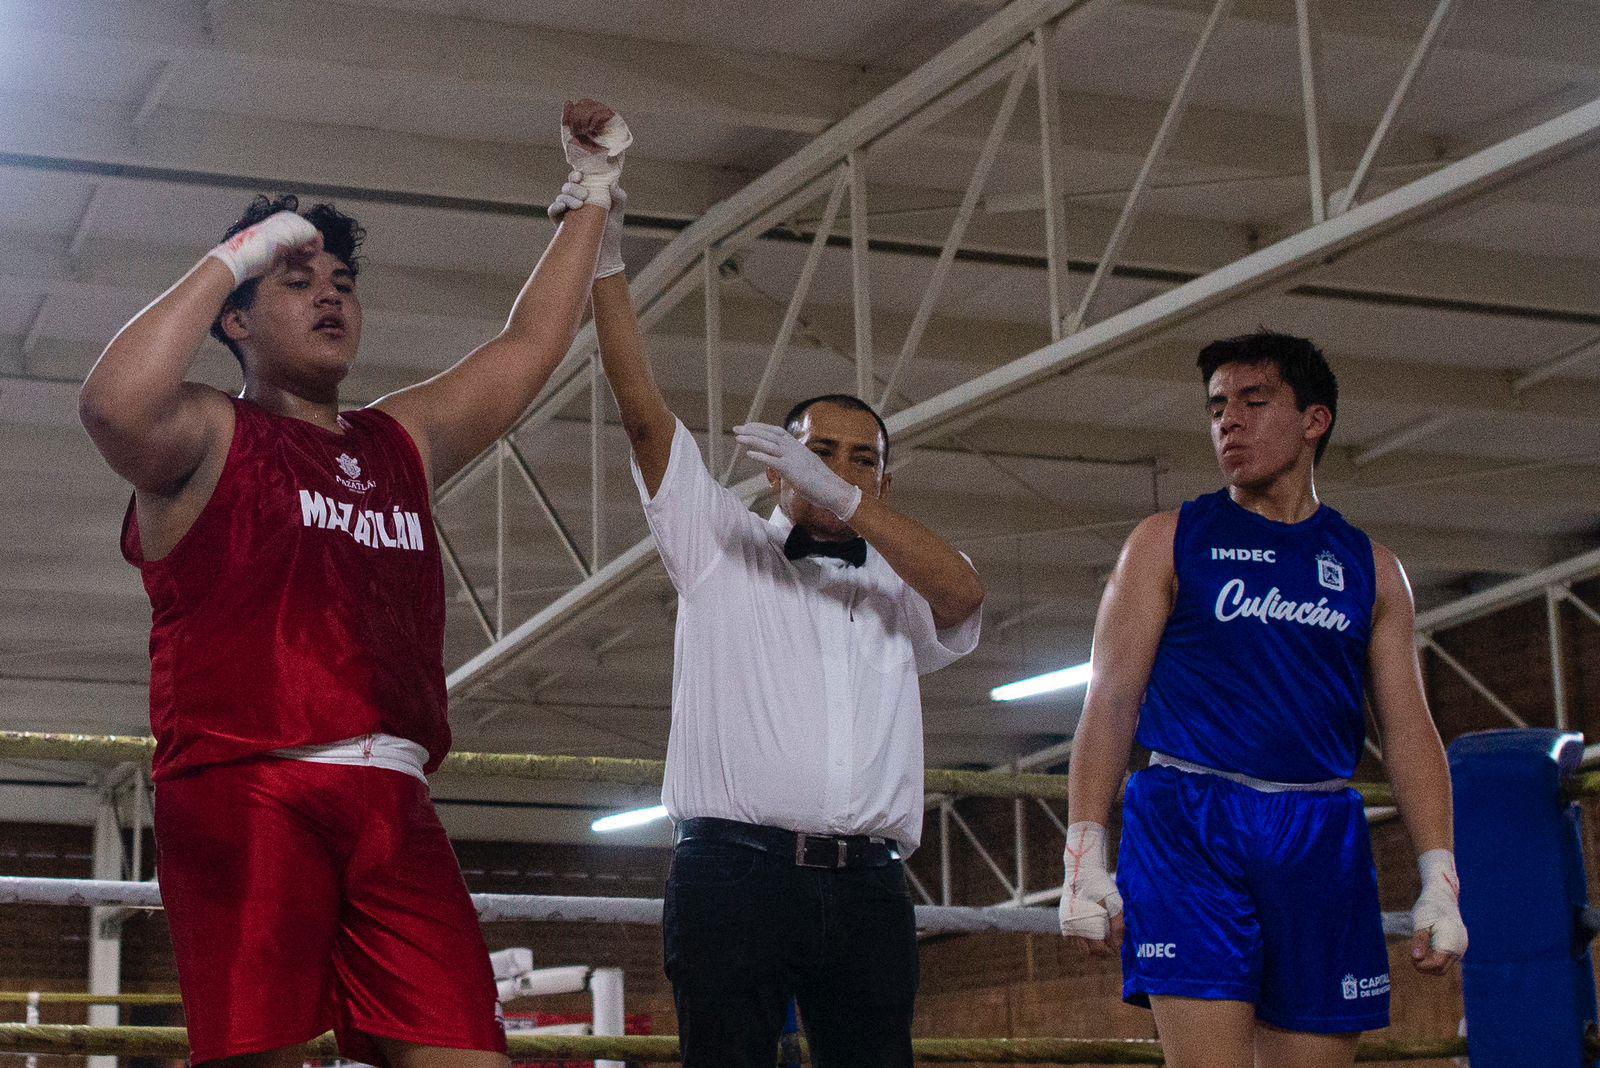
(659, 1049)
(30, 745)
(493, 908)
(64, 997)
(941, 919)
(1583, 785)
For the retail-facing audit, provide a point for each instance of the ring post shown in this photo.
(1528, 977)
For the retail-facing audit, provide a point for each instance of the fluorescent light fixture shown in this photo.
(1050, 681)
(637, 817)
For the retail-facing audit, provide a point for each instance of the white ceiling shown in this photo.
(131, 134)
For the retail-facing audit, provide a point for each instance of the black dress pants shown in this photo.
(746, 930)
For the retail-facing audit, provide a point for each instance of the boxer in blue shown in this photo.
(1239, 639)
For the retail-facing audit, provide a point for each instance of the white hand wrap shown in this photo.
(250, 252)
(1438, 907)
(600, 170)
(1089, 897)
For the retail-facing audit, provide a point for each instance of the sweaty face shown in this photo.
(1257, 429)
(849, 442)
(305, 325)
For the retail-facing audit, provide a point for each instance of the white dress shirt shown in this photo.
(795, 700)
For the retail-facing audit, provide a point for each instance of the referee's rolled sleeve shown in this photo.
(690, 513)
(933, 646)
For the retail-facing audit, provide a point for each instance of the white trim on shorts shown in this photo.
(367, 750)
(1266, 786)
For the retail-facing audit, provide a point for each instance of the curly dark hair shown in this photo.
(341, 237)
(1299, 362)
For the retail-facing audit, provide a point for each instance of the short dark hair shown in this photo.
(341, 237)
(797, 414)
(1299, 363)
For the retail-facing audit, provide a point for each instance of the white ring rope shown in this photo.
(16, 890)
(931, 919)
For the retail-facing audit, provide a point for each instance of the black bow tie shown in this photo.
(798, 544)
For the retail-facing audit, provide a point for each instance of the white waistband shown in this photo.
(1326, 786)
(368, 751)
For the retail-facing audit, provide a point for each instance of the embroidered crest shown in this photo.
(1330, 572)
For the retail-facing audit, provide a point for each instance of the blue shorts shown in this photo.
(1233, 894)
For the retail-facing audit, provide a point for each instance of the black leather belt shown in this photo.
(804, 849)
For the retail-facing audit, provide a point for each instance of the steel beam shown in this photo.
(958, 228)
(1308, 37)
(1489, 169)
(105, 929)
(983, 853)
(1478, 685)
(1424, 198)
(1419, 57)
(547, 506)
(1400, 437)
(500, 539)
(797, 176)
(598, 389)
(1558, 666)
(1053, 182)
(946, 869)
(860, 274)
(791, 314)
(1559, 364)
(1506, 594)
(1158, 148)
(1580, 604)
(448, 551)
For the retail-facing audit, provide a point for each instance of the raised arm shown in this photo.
(153, 427)
(1127, 632)
(646, 418)
(1414, 757)
(458, 413)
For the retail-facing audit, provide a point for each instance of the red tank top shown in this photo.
(305, 605)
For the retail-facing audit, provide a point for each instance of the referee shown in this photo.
(794, 766)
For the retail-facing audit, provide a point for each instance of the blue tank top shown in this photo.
(1262, 666)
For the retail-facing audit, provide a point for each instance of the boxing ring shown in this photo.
(1528, 977)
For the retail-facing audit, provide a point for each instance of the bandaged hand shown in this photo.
(1441, 937)
(252, 251)
(572, 197)
(800, 467)
(595, 139)
(1089, 897)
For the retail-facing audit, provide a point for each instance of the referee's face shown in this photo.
(849, 442)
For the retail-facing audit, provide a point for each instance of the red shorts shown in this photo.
(304, 897)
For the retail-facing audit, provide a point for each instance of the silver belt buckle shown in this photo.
(800, 839)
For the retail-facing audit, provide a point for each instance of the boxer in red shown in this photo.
(297, 683)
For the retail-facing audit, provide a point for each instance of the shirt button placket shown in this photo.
(836, 675)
